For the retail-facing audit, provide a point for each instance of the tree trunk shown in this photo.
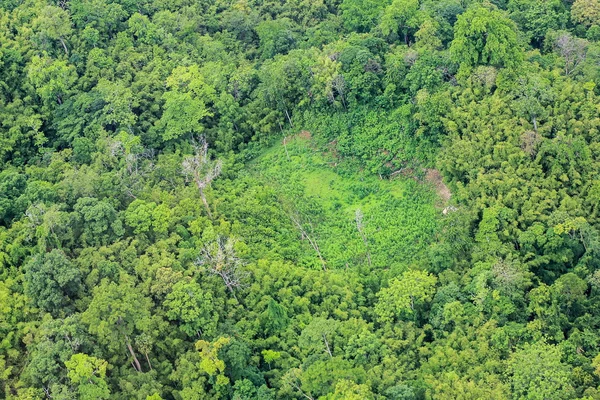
(205, 203)
(285, 147)
(148, 359)
(289, 119)
(327, 346)
(64, 45)
(136, 362)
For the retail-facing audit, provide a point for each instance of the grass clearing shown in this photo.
(399, 215)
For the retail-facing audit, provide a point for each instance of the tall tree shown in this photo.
(186, 103)
(484, 35)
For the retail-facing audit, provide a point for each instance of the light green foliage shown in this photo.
(405, 294)
(53, 79)
(192, 308)
(139, 215)
(397, 213)
(145, 216)
(536, 372)
(88, 374)
(348, 390)
(586, 12)
(186, 103)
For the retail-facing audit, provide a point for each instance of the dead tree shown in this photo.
(573, 50)
(219, 258)
(360, 227)
(139, 165)
(295, 217)
(201, 169)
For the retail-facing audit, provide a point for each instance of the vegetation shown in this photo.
(324, 199)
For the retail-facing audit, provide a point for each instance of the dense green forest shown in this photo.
(299, 199)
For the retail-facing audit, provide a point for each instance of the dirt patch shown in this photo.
(434, 177)
(304, 135)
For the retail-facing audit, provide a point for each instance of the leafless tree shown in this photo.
(139, 164)
(201, 169)
(296, 219)
(360, 227)
(530, 141)
(219, 258)
(573, 50)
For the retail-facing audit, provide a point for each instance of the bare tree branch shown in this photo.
(219, 258)
(201, 170)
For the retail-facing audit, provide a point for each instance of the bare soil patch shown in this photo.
(434, 177)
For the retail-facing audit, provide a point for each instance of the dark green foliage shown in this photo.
(52, 281)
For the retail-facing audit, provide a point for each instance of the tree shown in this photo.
(361, 15)
(404, 294)
(401, 17)
(285, 81)
(318, 336)
(186, 103)
(536, 18)
(193, 308)
(117, 313)
(572, 49)
(52, 79)
(327, 81)
(537, 372)
(88, 373)
(56, 341)
(533, 94)
(219, 258)
(119, 103)
(210, 362)
(483, 35)
(275, 318)
(427, 37)
(53, 23)
(139, 215)
(348, 390)
(99, 222)
(586, 12)
(275, 36)
(52, 281)
(202, 170)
